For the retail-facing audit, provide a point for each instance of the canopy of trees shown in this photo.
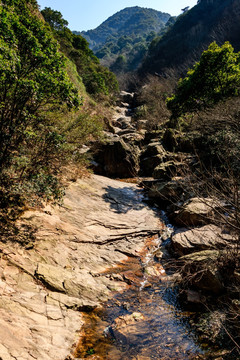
(54, 18)
(132, 21)
(96, 78)
(215, 77)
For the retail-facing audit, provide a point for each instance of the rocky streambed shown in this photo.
(143, 321)
(47, 283)
(205, 247)
(91, 283)
(88, 279)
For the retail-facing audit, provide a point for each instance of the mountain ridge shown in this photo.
(122, 40)
(116, 24)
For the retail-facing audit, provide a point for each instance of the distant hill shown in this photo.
(182, 45)
(123, 39)
(130, 21)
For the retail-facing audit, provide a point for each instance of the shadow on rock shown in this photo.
(23, 234)
(123, 200)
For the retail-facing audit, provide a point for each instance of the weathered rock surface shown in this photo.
(44, 285)
(168, 170)
(208, 237)
(153, 149)
(126, 97)
(147, 165)
(119, 156)
(201, 271)
(118, 159)
(167, 192)
(197, 211)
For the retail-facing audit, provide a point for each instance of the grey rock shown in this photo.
(118, 159)
(154, 148)
(147, 165)
(197, 211)
(201, 271)
(209, 237)
(167, 191)
(168, 170)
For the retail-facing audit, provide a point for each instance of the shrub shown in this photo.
(32, 79)
(214, 78)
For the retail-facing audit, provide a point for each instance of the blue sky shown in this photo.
(88, 14)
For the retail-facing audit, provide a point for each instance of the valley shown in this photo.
(119, 184)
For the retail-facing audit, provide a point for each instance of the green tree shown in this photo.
(33, 81)
(214, 78)
(97, 79)
(54, 18)
(119, 65)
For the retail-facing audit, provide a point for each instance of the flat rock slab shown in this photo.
(44, 286)
(209, 237)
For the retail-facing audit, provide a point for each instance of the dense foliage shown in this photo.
(122, 41)
(54, 18)
(96, 78)
(215, 77)
(205, 110)
(32, 77)
(206, 123)
(124, 53)
(42, 125)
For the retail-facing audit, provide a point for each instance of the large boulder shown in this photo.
(147, 165)
(153, 149)
(208, 237)
(153, 155)
(153, 136)
(166, 192)
(200, 271)
(123, 122)
(118, 159)
(133, 138)
(196, 211)
(168, 170)
(169, 139)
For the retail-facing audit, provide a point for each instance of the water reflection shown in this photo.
(143, 322)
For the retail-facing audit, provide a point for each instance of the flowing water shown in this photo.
(143, 322)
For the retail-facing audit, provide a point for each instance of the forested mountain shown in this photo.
(182, 45)
(131, 21)
(123, 39)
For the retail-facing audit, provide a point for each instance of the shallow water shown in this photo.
(144, 322)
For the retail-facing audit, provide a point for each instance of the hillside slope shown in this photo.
(182, 45)
(122, 40)
(131, 21)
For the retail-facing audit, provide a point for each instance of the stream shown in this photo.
(145, 321)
